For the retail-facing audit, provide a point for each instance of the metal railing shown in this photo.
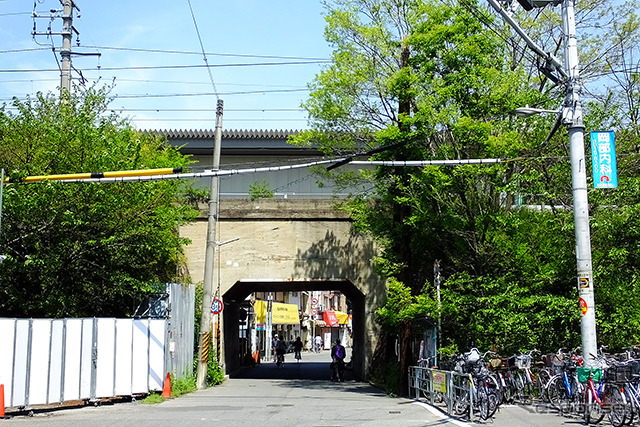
(442, 387)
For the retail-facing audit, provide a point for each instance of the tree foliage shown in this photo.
(436, 80)
(83, 249)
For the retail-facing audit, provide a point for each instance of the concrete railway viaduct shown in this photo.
(296, 241)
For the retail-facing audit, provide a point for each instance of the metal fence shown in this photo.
(45, 361)
(442, 387)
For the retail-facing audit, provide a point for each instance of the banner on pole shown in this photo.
(603, 159)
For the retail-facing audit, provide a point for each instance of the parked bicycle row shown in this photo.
(609, 387)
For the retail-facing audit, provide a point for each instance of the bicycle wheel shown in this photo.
(483, 404)
(519, 387)
(593, 412)
(555, 391)
(461, 404)
(493, 403)
(615, 403)
(543, 379)
(632, 405)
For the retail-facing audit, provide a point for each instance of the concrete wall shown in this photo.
(292, 244)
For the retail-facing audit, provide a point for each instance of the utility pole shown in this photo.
(572, 116)
(65, 52)
(207, 297)
(436, 279)
(67, 33)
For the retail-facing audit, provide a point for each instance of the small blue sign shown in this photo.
(603, 159)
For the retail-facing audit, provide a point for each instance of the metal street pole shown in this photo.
(1, 193)
(436, 278)
(214, 195)
(65, 52)
(268, 326)
(572, 116)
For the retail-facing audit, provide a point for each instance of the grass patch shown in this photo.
(181, 386)
(153, 398)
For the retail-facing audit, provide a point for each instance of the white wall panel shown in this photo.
(86, 358)
(106, 357)
(157, 373)
(124, 348)
(7, 336)
(55, 367)
(39, 368)
(72, 352)
(19, 394)
(140, 356)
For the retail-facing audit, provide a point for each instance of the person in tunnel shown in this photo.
(338, 353)
(297, 348)
(281, 349)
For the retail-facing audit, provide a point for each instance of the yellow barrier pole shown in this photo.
(114, 174)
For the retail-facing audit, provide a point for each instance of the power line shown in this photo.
(171, 67)
(184, 52)
(171, 95)
(277, 119)
(208, 110)
(204, 55)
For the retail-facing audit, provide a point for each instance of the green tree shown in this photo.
(84, 249)
(436, 81)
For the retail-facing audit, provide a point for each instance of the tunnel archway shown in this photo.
(239, 291)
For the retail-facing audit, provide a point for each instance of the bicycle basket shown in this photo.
(497, 363)
(585, 373)
(523, 361)
(619, 374)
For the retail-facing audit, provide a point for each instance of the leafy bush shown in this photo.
(181, 386)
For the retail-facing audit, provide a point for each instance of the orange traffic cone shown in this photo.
(166, 391)
(1, 400)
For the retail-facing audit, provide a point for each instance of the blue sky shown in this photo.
(233, 33)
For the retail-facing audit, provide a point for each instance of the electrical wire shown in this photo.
(204, 55)
(184, 52)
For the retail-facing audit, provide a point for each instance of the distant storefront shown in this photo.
(285, 321)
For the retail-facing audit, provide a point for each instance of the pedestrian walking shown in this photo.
(274, 343)
(297, 348)
(338, 353)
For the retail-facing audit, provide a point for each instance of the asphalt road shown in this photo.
(298, 394)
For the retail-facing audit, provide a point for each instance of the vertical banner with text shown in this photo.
(603, 159)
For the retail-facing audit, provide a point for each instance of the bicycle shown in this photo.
(563, 387)
(480, 393)
(523, 378)
(607, 398)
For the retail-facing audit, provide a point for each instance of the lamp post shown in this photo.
(572, 118)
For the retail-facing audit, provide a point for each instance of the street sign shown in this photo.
(314, 302)
(603, 161)
(217, 306)
(314, 311)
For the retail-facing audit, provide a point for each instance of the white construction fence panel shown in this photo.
(124, 359)
(54, 393)
(71, 366)
(20, 360)
(106, 358)
(39, 363)
(7, 337)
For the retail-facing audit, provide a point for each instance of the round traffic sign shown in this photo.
(314, 302)
(583, 307)
(314, 311)
(217, 306)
